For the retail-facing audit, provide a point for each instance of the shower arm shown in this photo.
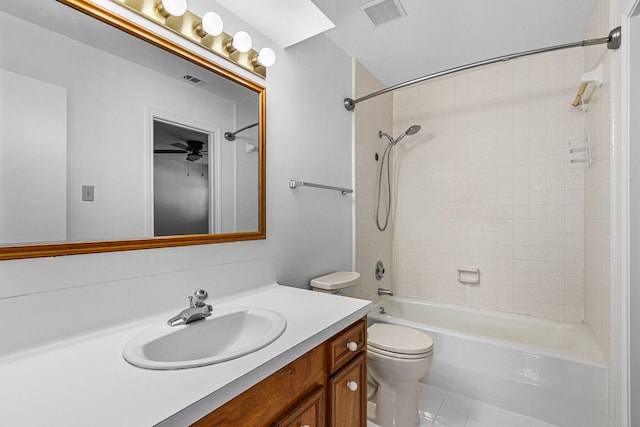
(230, 136)
(252, 125)
(612, 41)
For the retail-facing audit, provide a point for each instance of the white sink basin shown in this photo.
(227, 334)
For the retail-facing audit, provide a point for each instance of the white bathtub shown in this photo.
(549, 370)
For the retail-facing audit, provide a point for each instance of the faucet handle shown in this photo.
(197, 300)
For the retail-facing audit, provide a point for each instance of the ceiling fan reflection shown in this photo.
(193, 149)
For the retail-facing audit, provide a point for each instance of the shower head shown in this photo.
(411, 131)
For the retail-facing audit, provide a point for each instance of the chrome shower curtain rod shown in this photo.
(612, 41)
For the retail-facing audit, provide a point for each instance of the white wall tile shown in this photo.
(597, 195)
(489, 178)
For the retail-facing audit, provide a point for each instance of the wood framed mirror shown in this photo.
(126, 147)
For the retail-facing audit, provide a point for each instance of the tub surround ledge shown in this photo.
(86, 381)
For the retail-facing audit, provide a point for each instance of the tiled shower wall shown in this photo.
(598, 203)
(371, 245)
(488, 184)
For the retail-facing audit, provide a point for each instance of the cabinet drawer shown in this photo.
(309, 412)
(344, 346)
(348, 394)
(264, 402)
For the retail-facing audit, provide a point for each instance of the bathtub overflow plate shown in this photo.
(379, 270)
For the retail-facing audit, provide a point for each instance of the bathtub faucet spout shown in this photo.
(382, 291)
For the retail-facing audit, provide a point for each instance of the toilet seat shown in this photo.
(393, 355)
(398, 341)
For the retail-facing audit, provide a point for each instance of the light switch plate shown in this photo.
(87, 193)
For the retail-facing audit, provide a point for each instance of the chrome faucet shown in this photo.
(197, 310)
(382, 291)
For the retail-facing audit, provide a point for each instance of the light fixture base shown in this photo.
(189, 27)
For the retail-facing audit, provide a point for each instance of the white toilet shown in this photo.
(397, 357)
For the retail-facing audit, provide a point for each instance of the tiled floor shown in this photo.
(440, 408)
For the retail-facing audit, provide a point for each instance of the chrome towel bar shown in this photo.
(295, 184)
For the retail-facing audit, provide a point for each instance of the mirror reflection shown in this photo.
(106, 137)
(183, 198)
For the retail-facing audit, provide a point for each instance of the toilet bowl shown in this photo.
(397, 357)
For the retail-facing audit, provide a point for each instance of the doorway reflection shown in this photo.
(182, 194)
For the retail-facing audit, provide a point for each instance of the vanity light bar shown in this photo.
(206, 32)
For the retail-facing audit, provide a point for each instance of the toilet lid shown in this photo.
(398, 339)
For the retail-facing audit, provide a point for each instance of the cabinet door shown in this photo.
(309, 412)
(348, 395)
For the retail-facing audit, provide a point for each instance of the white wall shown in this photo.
(247, 168)
(309, 231)
(33, 159)
(633, 38)
(488, 184)
(309, 138)
(626, 330)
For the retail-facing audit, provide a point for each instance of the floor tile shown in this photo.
(457, 403)
(481, 411)
(442, 408)
(426, 422)
(539, 423)
(513, 419)
(454, 410)
(479, 423)
(429, 401)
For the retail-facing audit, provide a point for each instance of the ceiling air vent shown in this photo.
(381, 11)
(193, 79)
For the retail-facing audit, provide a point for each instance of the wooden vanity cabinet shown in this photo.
(310, 411)
(263, 403)
(347, 383)
(324, 387)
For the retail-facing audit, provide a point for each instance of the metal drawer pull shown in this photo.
(352, 385)
(351, 345)
(306, 425)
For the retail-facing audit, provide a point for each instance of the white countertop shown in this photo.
(86, 381)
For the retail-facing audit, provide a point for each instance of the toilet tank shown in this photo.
(334, 283)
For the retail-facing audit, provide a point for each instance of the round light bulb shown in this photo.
(175, 7)
(212, 23)
(241, 41)
(267, 57)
